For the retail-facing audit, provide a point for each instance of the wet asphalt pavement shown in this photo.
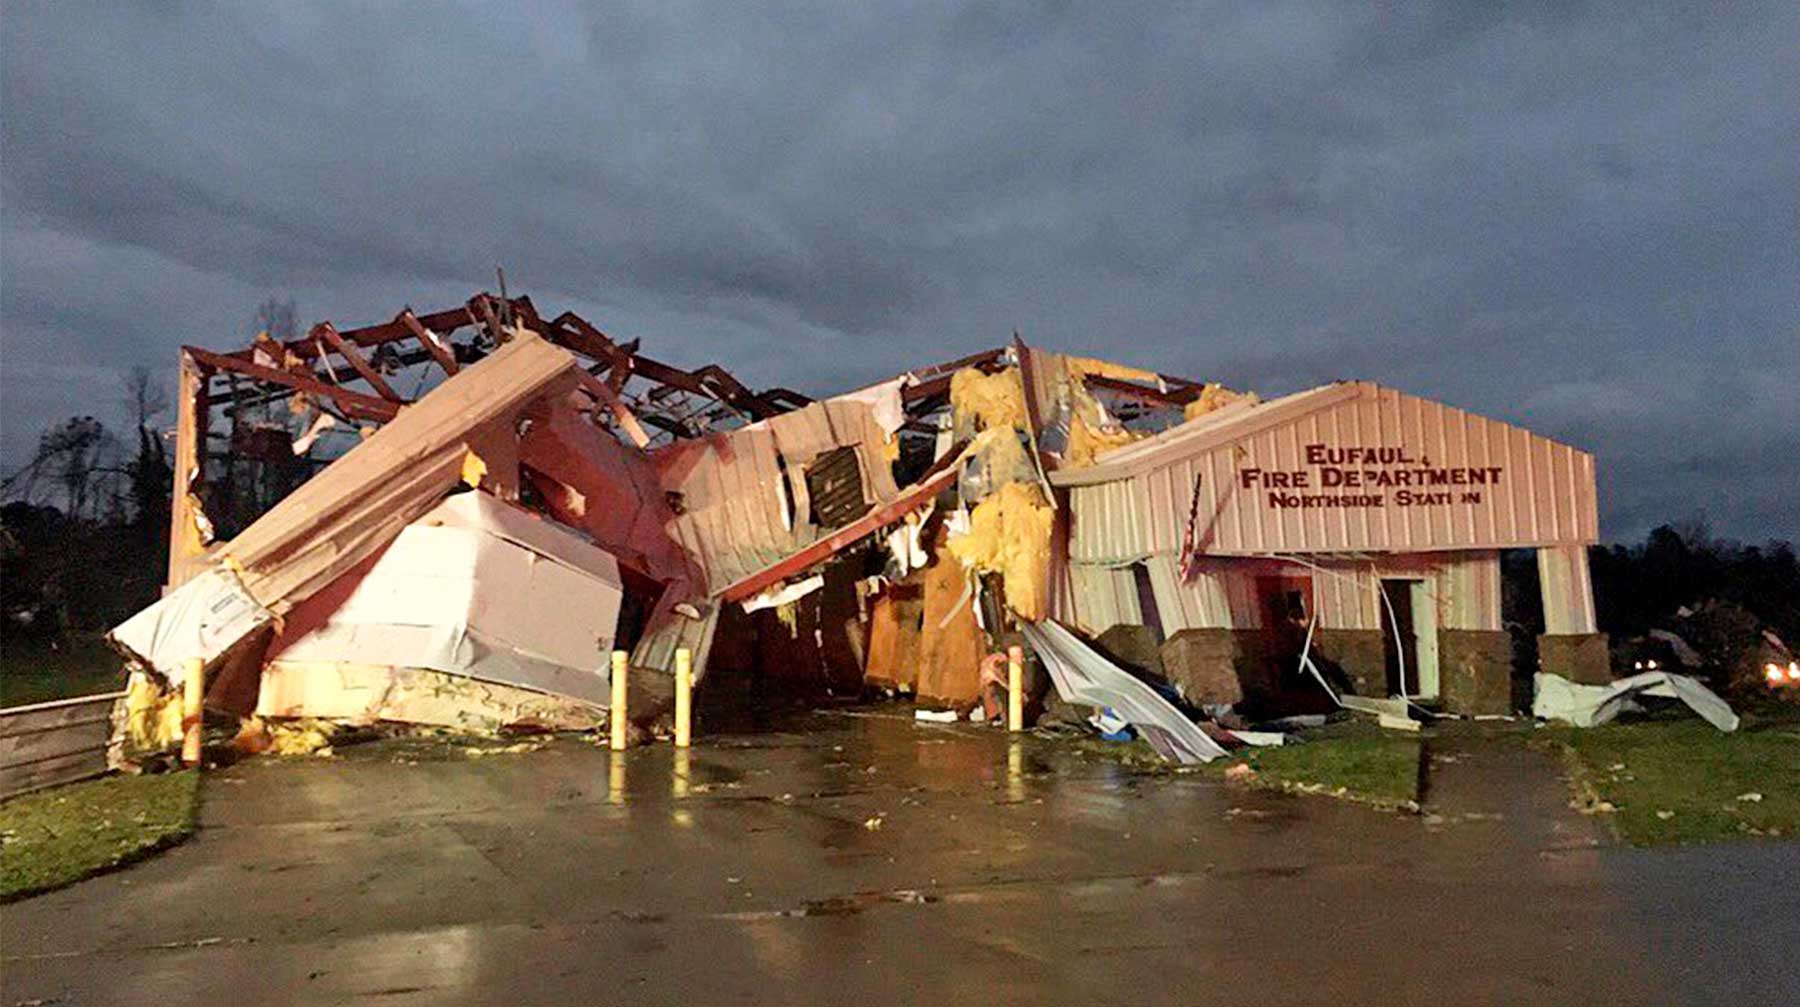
(864, 859)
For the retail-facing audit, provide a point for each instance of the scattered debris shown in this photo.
(1394, 723)
(477, 751)
(1588, 705)
(1260, 739)
(1083, 676)
(299, 737)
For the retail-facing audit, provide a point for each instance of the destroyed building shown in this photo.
(468, 554)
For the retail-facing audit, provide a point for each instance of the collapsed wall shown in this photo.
(471, 559)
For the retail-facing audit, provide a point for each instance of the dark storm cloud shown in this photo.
(1578, 217)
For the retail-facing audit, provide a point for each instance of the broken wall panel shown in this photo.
(475, 588)
(399, 473)
(732, 512)
(347, 512)
(741, 499)
(896, 620)
(952, 644)
(591, 481)
(675, 623)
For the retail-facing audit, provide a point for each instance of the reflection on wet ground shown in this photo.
(858, 856)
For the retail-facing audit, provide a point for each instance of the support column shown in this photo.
(1572, 645)
(187, 548)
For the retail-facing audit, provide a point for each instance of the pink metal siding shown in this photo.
(1136, 502)
(1568, 591)
(1222, 593)
(1466, 586)
(735, 518)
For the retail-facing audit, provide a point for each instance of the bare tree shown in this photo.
(145, 397)
(149, 474)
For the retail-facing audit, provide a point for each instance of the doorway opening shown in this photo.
(1409, 639)
(1286, 607)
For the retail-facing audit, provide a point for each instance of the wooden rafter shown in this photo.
(345, 349)
(610, 399)
(433, 343)
(614, 363)
(1177, 395)
(375, 335)
(356, 404)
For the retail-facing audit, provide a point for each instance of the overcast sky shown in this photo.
(1583, 218)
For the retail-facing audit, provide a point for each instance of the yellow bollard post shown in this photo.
(193, 693)
(684, 697)
(1015, 688)
(615, 779)
(1015, 770)
(620, 663)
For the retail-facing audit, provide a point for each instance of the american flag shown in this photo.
(1190, 558)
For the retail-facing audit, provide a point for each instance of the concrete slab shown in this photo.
(869, 859)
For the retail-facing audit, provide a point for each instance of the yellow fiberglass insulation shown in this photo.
(1003, 455)
(1009, 534)
(1087, 441)
(1091, 433)
(152, 714)
(995, 400)
(1215, 396)
(300, 737)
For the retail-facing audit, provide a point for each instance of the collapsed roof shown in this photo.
(702, 491)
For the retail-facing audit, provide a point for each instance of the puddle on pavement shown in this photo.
(842, 905)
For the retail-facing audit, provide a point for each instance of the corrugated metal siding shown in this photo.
(1344, 596)
(731, 503)
(1218, 596)
(672, 632)
(1106, 523)
(1222, 594)
(1466, 586)
(1470, 585)
(1104, 597)
(804, 434)
(735, 516)
(1567, 589)
(1137, 502)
